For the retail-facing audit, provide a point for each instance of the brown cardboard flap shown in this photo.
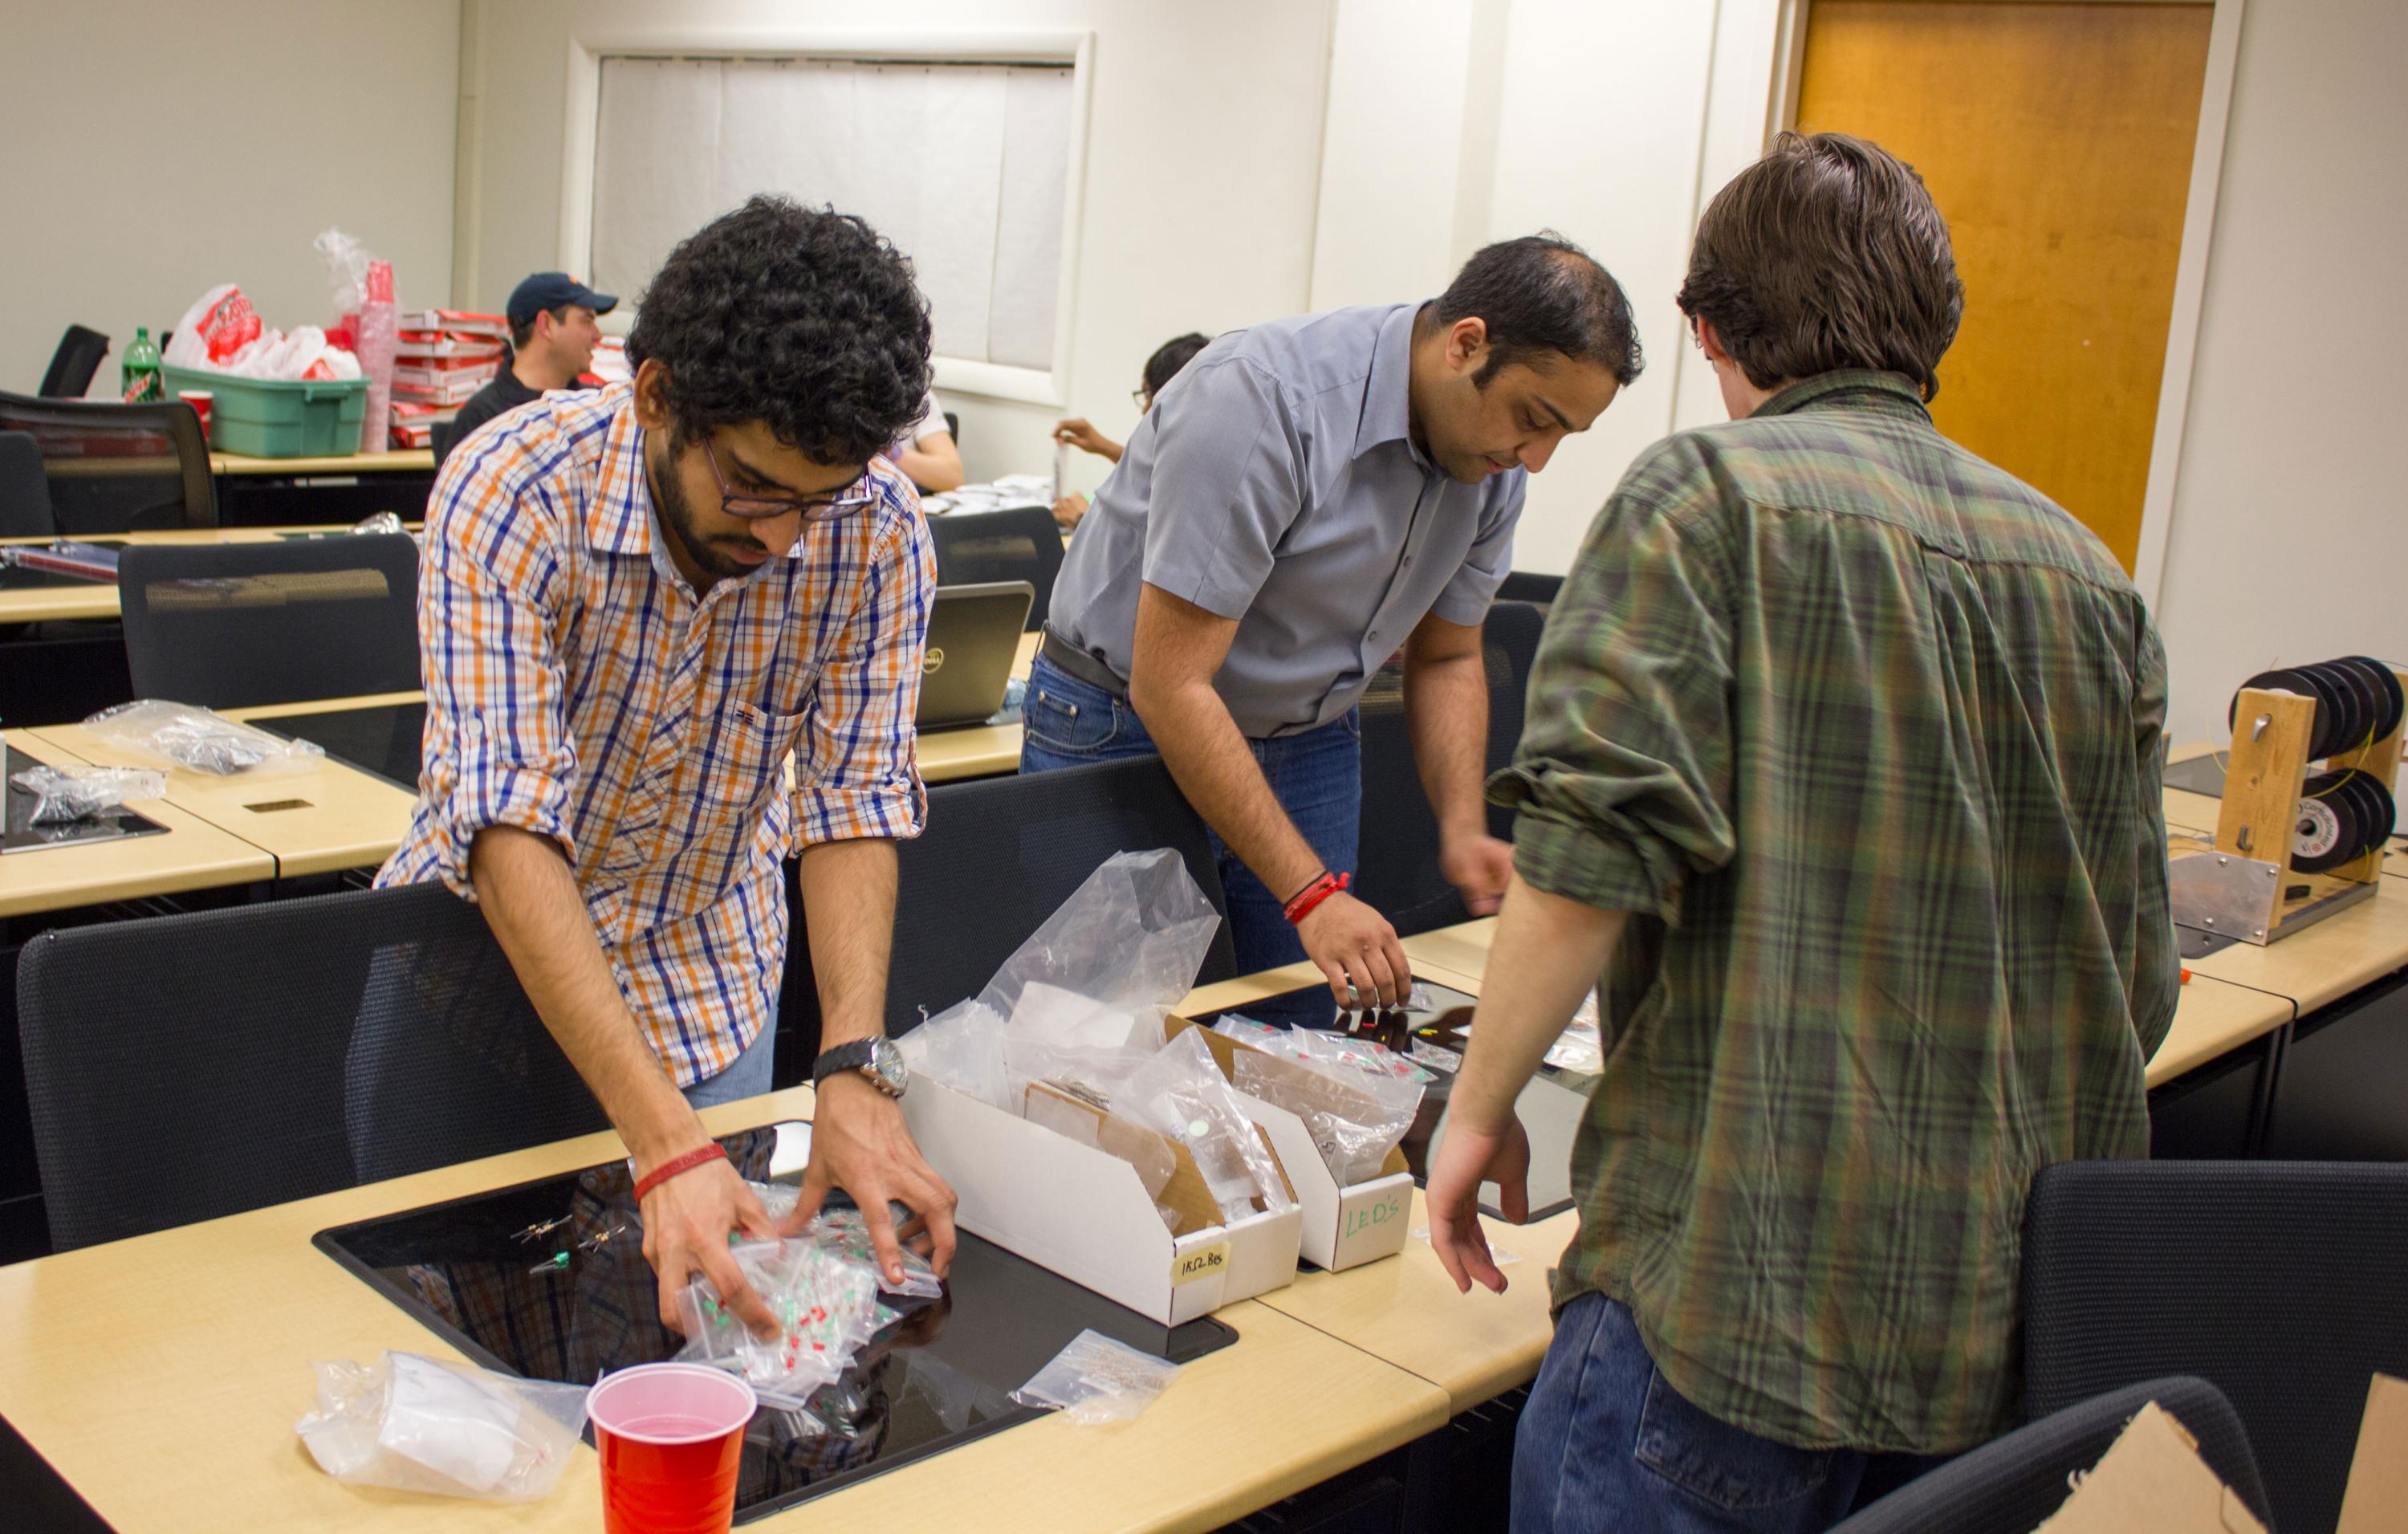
(1134, 1143)
(2376, 1501)
(2153, 1482)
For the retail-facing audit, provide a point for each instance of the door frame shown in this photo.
(2190, 265)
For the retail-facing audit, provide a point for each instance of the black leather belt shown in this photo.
(1072, 661)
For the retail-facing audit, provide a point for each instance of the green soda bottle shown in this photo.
(142, 378)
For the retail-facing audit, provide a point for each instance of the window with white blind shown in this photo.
(965, 166)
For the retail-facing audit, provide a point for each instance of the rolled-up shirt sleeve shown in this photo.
(1622, 779)
(856, 761)
(491, 590)
(1467, 597)
(1226, 484)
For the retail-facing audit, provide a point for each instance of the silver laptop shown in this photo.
(973, 638)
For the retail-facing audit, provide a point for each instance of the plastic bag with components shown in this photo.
(201, 739)
(420, 1424)
(72, 792)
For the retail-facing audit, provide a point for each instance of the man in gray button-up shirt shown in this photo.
(1306, 498)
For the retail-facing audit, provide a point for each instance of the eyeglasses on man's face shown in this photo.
(854, 497)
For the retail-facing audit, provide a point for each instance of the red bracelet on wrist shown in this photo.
(675, 1165)
(1300, 905)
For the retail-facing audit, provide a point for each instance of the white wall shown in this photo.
(1455, 123)
(2289, 533)
(1204, 137)
(156, 148)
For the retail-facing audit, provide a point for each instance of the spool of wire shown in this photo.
(2343, 816)
(2358, 701)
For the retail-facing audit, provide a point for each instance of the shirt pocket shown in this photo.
(1073, 725)
(745, 762)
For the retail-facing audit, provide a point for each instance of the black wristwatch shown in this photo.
(877, 1059)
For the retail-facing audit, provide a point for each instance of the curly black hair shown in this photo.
(804, 318)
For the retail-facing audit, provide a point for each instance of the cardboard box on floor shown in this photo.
(1344, 1227)
(1081, 1210)
(2153, 1480)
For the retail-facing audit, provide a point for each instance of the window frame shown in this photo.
(1064, 47)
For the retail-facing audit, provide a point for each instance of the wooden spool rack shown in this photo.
(2264, 779)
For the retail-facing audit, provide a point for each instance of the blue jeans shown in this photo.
(1318, 777)
(747, 1076)
(1605, 1443)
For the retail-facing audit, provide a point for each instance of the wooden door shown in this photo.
(2056, 139)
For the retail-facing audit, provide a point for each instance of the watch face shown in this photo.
(888, 1062)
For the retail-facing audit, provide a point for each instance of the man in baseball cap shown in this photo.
(553, 336)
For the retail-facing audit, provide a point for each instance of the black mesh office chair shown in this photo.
(2276, 1282)
(2015, 1484)
(1529, 586)
(24, 489)
(1021, 544)
(240, 625)
(953, 427)
(118, 469)
(1395, 860)
(184, 1068)
(79, 357)
(1000, 855)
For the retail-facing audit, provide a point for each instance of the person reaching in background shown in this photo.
(926, 452)
(1078, 432)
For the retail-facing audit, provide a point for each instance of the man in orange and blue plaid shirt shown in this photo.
(635, 605)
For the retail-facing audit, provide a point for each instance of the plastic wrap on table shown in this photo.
(71, 792)
(1095, 1380)
(419, 1423)
(199, 739)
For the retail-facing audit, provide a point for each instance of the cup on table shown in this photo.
(200, 400)
(670, 1437)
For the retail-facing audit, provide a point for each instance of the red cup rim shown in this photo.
(594, 1395)
(197, 394)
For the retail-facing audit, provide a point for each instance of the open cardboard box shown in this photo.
(1344, 1227)
(1049, 1191)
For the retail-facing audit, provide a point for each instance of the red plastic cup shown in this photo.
(200, 400)
(670, 1436)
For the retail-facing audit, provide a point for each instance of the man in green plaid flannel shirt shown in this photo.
(1842, 769)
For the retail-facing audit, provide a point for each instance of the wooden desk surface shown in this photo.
(98, 598)
(193, 855)
(320, 819)
(2215, 1015)
(162, 1377)
(414, 460)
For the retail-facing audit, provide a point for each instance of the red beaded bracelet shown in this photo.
(675, 1165)
(1301, 904)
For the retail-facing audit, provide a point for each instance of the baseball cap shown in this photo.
(549, 291)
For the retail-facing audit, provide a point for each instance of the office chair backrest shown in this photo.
(118, 469)
(953, 427)
(2014, 1485)
(1022, 544)
(184, 1068)
(79, 357)
(1529, 586)
(1395, 860)
(1000, 855)
(2278, 1283)
(239, 624)
(24, 489)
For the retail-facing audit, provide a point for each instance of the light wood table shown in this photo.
(267, 713)
(406, 460)
(322, 819)
(2214, 1016)
(99, 599)
(981, 750)
(193, 854)
(161, 1376)
(2321, 964)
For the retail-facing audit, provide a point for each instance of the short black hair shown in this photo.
(803, 318)
(1169, 357)
(523, 331)
(1541, 292)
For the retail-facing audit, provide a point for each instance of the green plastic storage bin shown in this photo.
(272, 417)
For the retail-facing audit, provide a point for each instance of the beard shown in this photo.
(678, 515)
